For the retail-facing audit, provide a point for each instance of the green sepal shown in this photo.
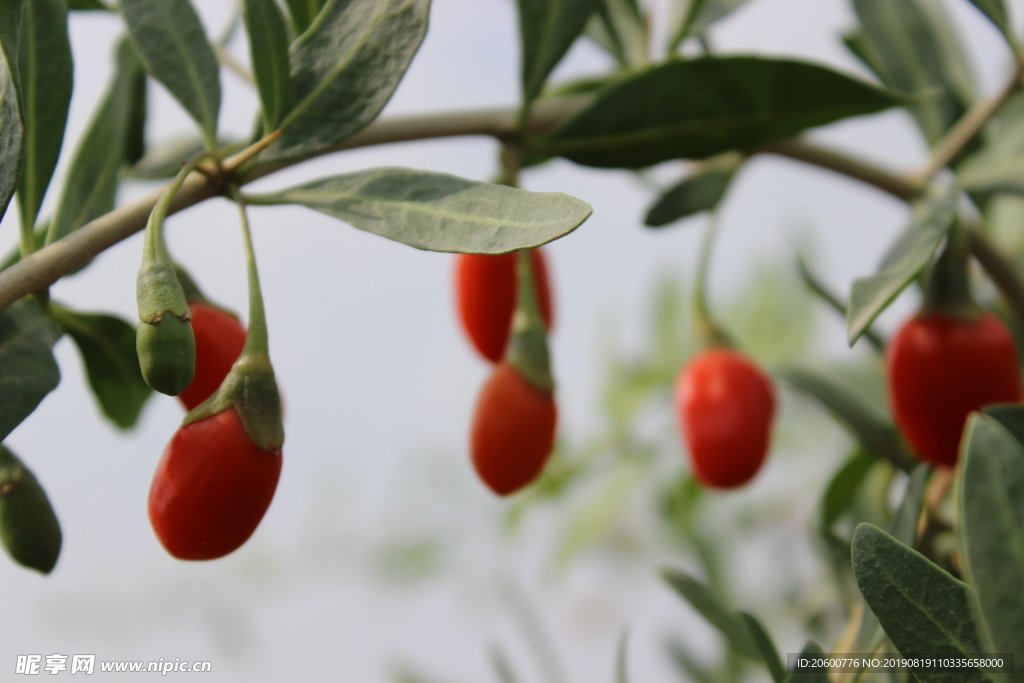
(948, 289)
(251, 389)
(528, 351)
(158, 292)
(194, 294)
(29, 528)
(167, 354)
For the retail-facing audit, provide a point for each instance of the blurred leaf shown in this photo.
(135, 133)
(583, 86)
(173, 47)
(824, 294)
(303, 12)
(999, 165)
(651, 116)
(911, 254)
(730, 624)
(45, 76)
(904, 526)
(874, 431)
(408, 560)
(919, 53)
(619, 27)
(702, 190)
(864, 50)
(992, 528)
(842, 489)
(593, 521)
(439, 212)
(686, 664)
(38, 240)
(921, 607)
(268, 49)
(89, 5)
(29, 529)
(11, 134)
(107, 345)
(345, 69)
(621, 659)
(548, 28)
(996, 12)
(502, 667)
(1010, 416)
(812, 675)
(28, 371)
(165, 160)
(698, 15)
(91, 184)
(763, 641)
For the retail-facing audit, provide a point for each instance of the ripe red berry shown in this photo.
(219, 341)
(941, 368)
(513, 431)
(211, 488)
(725, 406)
(485, 290)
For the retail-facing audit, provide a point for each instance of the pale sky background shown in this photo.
(379, 382)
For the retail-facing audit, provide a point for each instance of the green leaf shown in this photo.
(89, 5)
(107, 345)
(138, 109)
(439, 212)
(28, 371)
(173, 46)
(812, 674)
(830, 299)
(699, 191)
(166, 159)
(999, 165)
(842, 489)
(992, 530)
(91, 184)
(11, 133)
(872, 429)
(621, 659)
(547, 29)
(38, 241)
(911, 253)
(45, 74)
(653, 116)
(919, 54)
(619, 27)
(763, 641)
(730, 624)
(345, 69)
(996, 12)
(268, 48)
(698, 15)
(502, 667)
(1010, 416)
(904, 525)
(921, 607)
(303, 12)
(29, 529)
(687, 664)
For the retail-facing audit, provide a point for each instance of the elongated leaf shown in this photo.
(829, 298)
(655, 115)
(91, 183)
(843, 487)
(138, 110)
(107, 345)
(687, 664)
(814, 674)
(622, 659)
(619, 27)
(999, 165)
(174, 48)
(700, 191)
(728, 623)
(28, 371)
(268, 48)
(996, 12)
(439, 212)
(303, 12)
(911, 253)
(164, 160)
(548, 28)
(89, 5)
(11, 133)
(345, 69)
(698, 15)
(866, 424)
(763, 641)
(992, 531)
(502, 666)
(1010, 416)
(918, 55)
(29, 530)
(904, 525)
(45, 74)
(921, 607)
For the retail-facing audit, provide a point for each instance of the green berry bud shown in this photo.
(167, 354)
(29, 528)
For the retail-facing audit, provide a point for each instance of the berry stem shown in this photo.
(528, 352)
(948, 287)
(707, 329)
(257, 339)
(154, 248)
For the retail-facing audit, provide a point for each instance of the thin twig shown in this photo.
(1003, 274)
(228, 60)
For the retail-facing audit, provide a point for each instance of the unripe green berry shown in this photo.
(167, 354)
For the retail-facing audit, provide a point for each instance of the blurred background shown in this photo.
(382, 557)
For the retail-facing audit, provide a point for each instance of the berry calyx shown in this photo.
(513, 431)
(211, 489)
(725, 405)
(219, 337)
(939, 369)
(486, 293)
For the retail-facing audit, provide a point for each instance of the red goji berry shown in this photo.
(219, 340)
